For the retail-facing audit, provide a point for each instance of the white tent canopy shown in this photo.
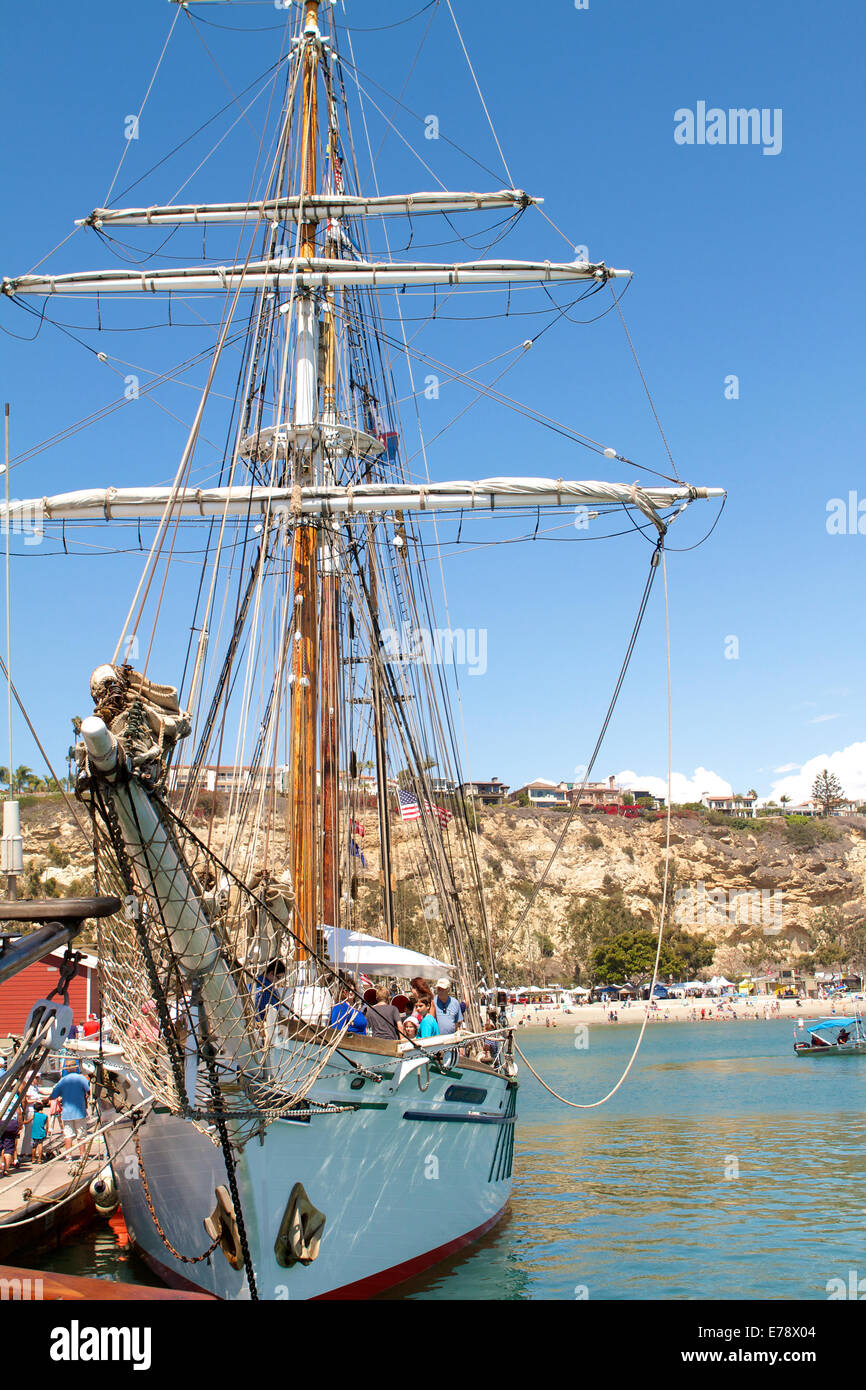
(355, 951)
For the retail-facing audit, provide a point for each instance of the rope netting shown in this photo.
(222, 1009)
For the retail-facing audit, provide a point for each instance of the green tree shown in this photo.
(630, 955)
(827, 790)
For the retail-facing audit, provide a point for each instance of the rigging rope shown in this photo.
(143, 104)
(592, 1105)
(654, 562)
(480, 95)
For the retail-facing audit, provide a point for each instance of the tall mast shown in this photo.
(306, 537)
(380, 750)
(330, 727)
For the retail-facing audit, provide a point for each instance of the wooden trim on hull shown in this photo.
(363, 1288)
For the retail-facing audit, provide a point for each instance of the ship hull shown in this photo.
(406, 1179)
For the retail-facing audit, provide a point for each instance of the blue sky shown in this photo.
(745, 263)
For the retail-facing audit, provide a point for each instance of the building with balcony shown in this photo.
(492, 793)
(743, 806)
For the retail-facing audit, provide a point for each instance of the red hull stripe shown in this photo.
(398, 1274)
(363, 1288)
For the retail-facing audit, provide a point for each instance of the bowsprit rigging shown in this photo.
(319, 832)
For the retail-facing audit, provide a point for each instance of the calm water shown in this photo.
(631, 1200)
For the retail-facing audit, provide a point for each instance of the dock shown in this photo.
(38, 1286)
(40, 1195)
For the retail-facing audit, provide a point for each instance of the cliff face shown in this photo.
(778, 883)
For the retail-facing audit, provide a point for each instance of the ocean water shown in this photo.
(724, 1168)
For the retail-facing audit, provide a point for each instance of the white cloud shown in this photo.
(682, 788)
(822, 718)
(848, 764)
(787, 767)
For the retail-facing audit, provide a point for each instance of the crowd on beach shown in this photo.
(727, 1009)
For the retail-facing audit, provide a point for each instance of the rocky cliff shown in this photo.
(776, 883)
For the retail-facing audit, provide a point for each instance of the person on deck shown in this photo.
(345, 1015)
(382, 1017)
(446, 1009)
(267, 993)
(429, 1028)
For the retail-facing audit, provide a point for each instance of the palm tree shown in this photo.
(22, 777)
(785, 800)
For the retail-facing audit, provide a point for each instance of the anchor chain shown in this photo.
(185, 1259)
(208, 1052)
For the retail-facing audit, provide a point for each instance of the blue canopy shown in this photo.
(831, 1023)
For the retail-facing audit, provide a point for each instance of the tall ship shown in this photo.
(236, 792)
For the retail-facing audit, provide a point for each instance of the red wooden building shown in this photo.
(18, 995)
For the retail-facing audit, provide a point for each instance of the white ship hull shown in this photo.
(404, 1180)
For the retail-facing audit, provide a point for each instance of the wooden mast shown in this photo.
(381, 751)
(330, 652)
(305, 543)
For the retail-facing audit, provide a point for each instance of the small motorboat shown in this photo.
(826, 1036)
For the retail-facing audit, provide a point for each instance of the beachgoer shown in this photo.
(73, 1090)
(446, 1009)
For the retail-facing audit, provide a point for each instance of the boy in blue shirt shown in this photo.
(429, 1027)
(39, 1131)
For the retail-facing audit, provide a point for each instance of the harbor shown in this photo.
(727, 1172)
(386, 408)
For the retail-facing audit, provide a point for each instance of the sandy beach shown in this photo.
(678, 1011)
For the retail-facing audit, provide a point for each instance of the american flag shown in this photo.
(410, 810)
